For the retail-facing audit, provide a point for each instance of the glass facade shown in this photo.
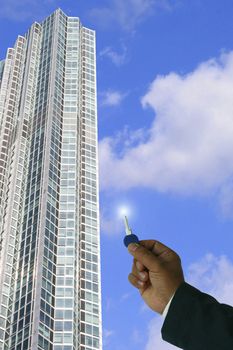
(50, 295)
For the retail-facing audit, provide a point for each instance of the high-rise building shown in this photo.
(50, 295)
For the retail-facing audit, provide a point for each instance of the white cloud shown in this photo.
(212, 275)
(137, 336)
(117, 58)
(155, 340)
(188, 149)
(128, 139)
(113, 211)
(125, 297)
(144, 308)
(107, 334)
(127, 13)
(112, 98)
(110, 225)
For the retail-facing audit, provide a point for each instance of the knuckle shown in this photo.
(144, 252)
(177, 257)
(130, 277)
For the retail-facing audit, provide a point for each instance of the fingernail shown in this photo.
(133, 246)
(140, 283)
(142, 275)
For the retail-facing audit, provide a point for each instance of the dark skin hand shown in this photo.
(156, 273)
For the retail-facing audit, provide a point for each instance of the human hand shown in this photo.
(156, 272)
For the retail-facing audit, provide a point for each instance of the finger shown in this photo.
(139, 266)
(156, 247)
(142, 275)
(145, 256)
(135, 281)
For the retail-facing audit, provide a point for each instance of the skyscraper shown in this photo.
(50, 295)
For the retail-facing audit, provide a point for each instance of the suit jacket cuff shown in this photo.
(178, 314)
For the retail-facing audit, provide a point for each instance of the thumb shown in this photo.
(144, 256)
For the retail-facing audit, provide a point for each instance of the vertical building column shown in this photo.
(19, 168)
(89, 244)
(66, 274)
(9, 106)
(45, 266)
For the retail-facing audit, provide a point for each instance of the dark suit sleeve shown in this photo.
(197, 321)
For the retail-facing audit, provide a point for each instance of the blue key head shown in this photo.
(130, 239)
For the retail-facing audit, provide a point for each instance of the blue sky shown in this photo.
(165, 87)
